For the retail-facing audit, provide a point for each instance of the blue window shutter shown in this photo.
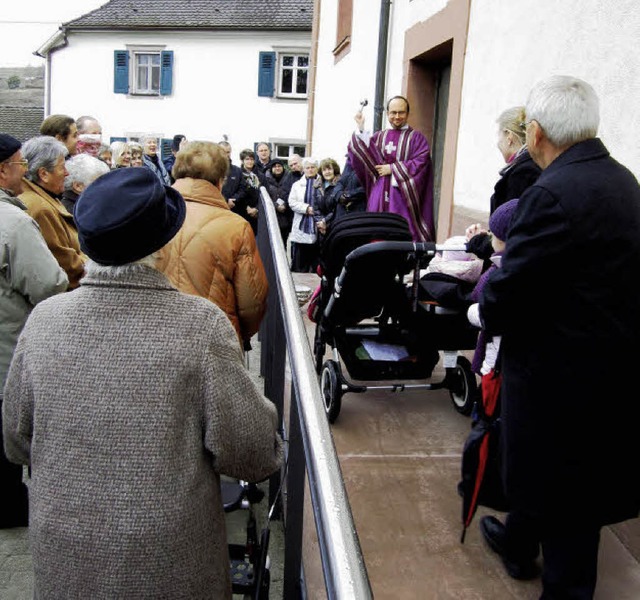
(166, 72)
(121, 72)
(267, 74)
(165, 147)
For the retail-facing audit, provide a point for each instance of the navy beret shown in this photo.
(126, 215)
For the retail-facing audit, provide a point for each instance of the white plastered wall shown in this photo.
(512, 45)
(340, 87)
(215, 85)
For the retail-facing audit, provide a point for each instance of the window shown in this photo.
(293, 75)
(151, 72)
(286, 149)
(283, 74)
(147, 73)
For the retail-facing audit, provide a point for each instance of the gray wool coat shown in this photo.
(29, 273)
(128, 399)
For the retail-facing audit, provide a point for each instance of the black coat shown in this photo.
(251, 198)
(234, 187)
(280, 189)
(351, 195)
(567, 303)
(327, 201)
(261, 171)
(514, 180)
(290, 177)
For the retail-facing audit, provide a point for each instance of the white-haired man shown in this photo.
(567, 303)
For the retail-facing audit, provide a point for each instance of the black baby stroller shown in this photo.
(377, 326)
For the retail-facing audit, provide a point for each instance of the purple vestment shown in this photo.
(407, 151)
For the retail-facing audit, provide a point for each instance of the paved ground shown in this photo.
(400, 458)
(16, 582)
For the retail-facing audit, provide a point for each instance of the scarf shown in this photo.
(89, 143)
(308, 222)
(512, 160)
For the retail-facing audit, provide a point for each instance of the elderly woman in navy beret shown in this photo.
(126, 448)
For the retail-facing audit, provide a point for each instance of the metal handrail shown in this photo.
(343, 565)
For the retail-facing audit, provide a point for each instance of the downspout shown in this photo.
(381, 69)
(315, 33)
(47, 86)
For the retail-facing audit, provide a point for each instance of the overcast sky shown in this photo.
(27, 24)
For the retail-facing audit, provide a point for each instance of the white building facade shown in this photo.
(461, 63)
(202, 82)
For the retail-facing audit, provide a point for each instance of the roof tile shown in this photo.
(198, 14)
(22, 122)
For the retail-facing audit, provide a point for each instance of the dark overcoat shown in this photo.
(567, 303)
(279, 189)
(515, 178)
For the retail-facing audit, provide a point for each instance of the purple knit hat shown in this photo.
(501, 219)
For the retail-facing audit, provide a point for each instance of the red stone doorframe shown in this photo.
(441, 37)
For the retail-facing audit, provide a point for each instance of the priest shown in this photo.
(395, 166)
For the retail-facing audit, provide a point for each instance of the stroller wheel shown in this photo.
(331, 388)
(462, 386)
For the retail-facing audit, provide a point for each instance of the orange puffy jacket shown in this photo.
(215, 256)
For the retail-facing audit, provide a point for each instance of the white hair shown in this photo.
(91, 267)
(43, 152)
(84, 169)
(566, 108)
(308, 160)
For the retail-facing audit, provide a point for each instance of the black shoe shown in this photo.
(494, 533)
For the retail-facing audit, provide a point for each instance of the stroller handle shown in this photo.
(417, 248)
(451, 247)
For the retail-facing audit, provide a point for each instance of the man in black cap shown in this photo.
(31, 274)
(126, 448)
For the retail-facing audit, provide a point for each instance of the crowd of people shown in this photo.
(128, 398)
(308, 195)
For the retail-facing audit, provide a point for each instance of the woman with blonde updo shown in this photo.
(120, 155)
(215, 253)
(519, 173)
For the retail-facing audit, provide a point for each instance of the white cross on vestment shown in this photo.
(390, 147)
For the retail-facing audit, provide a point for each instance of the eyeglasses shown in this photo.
(24, 163)
(397, 113)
